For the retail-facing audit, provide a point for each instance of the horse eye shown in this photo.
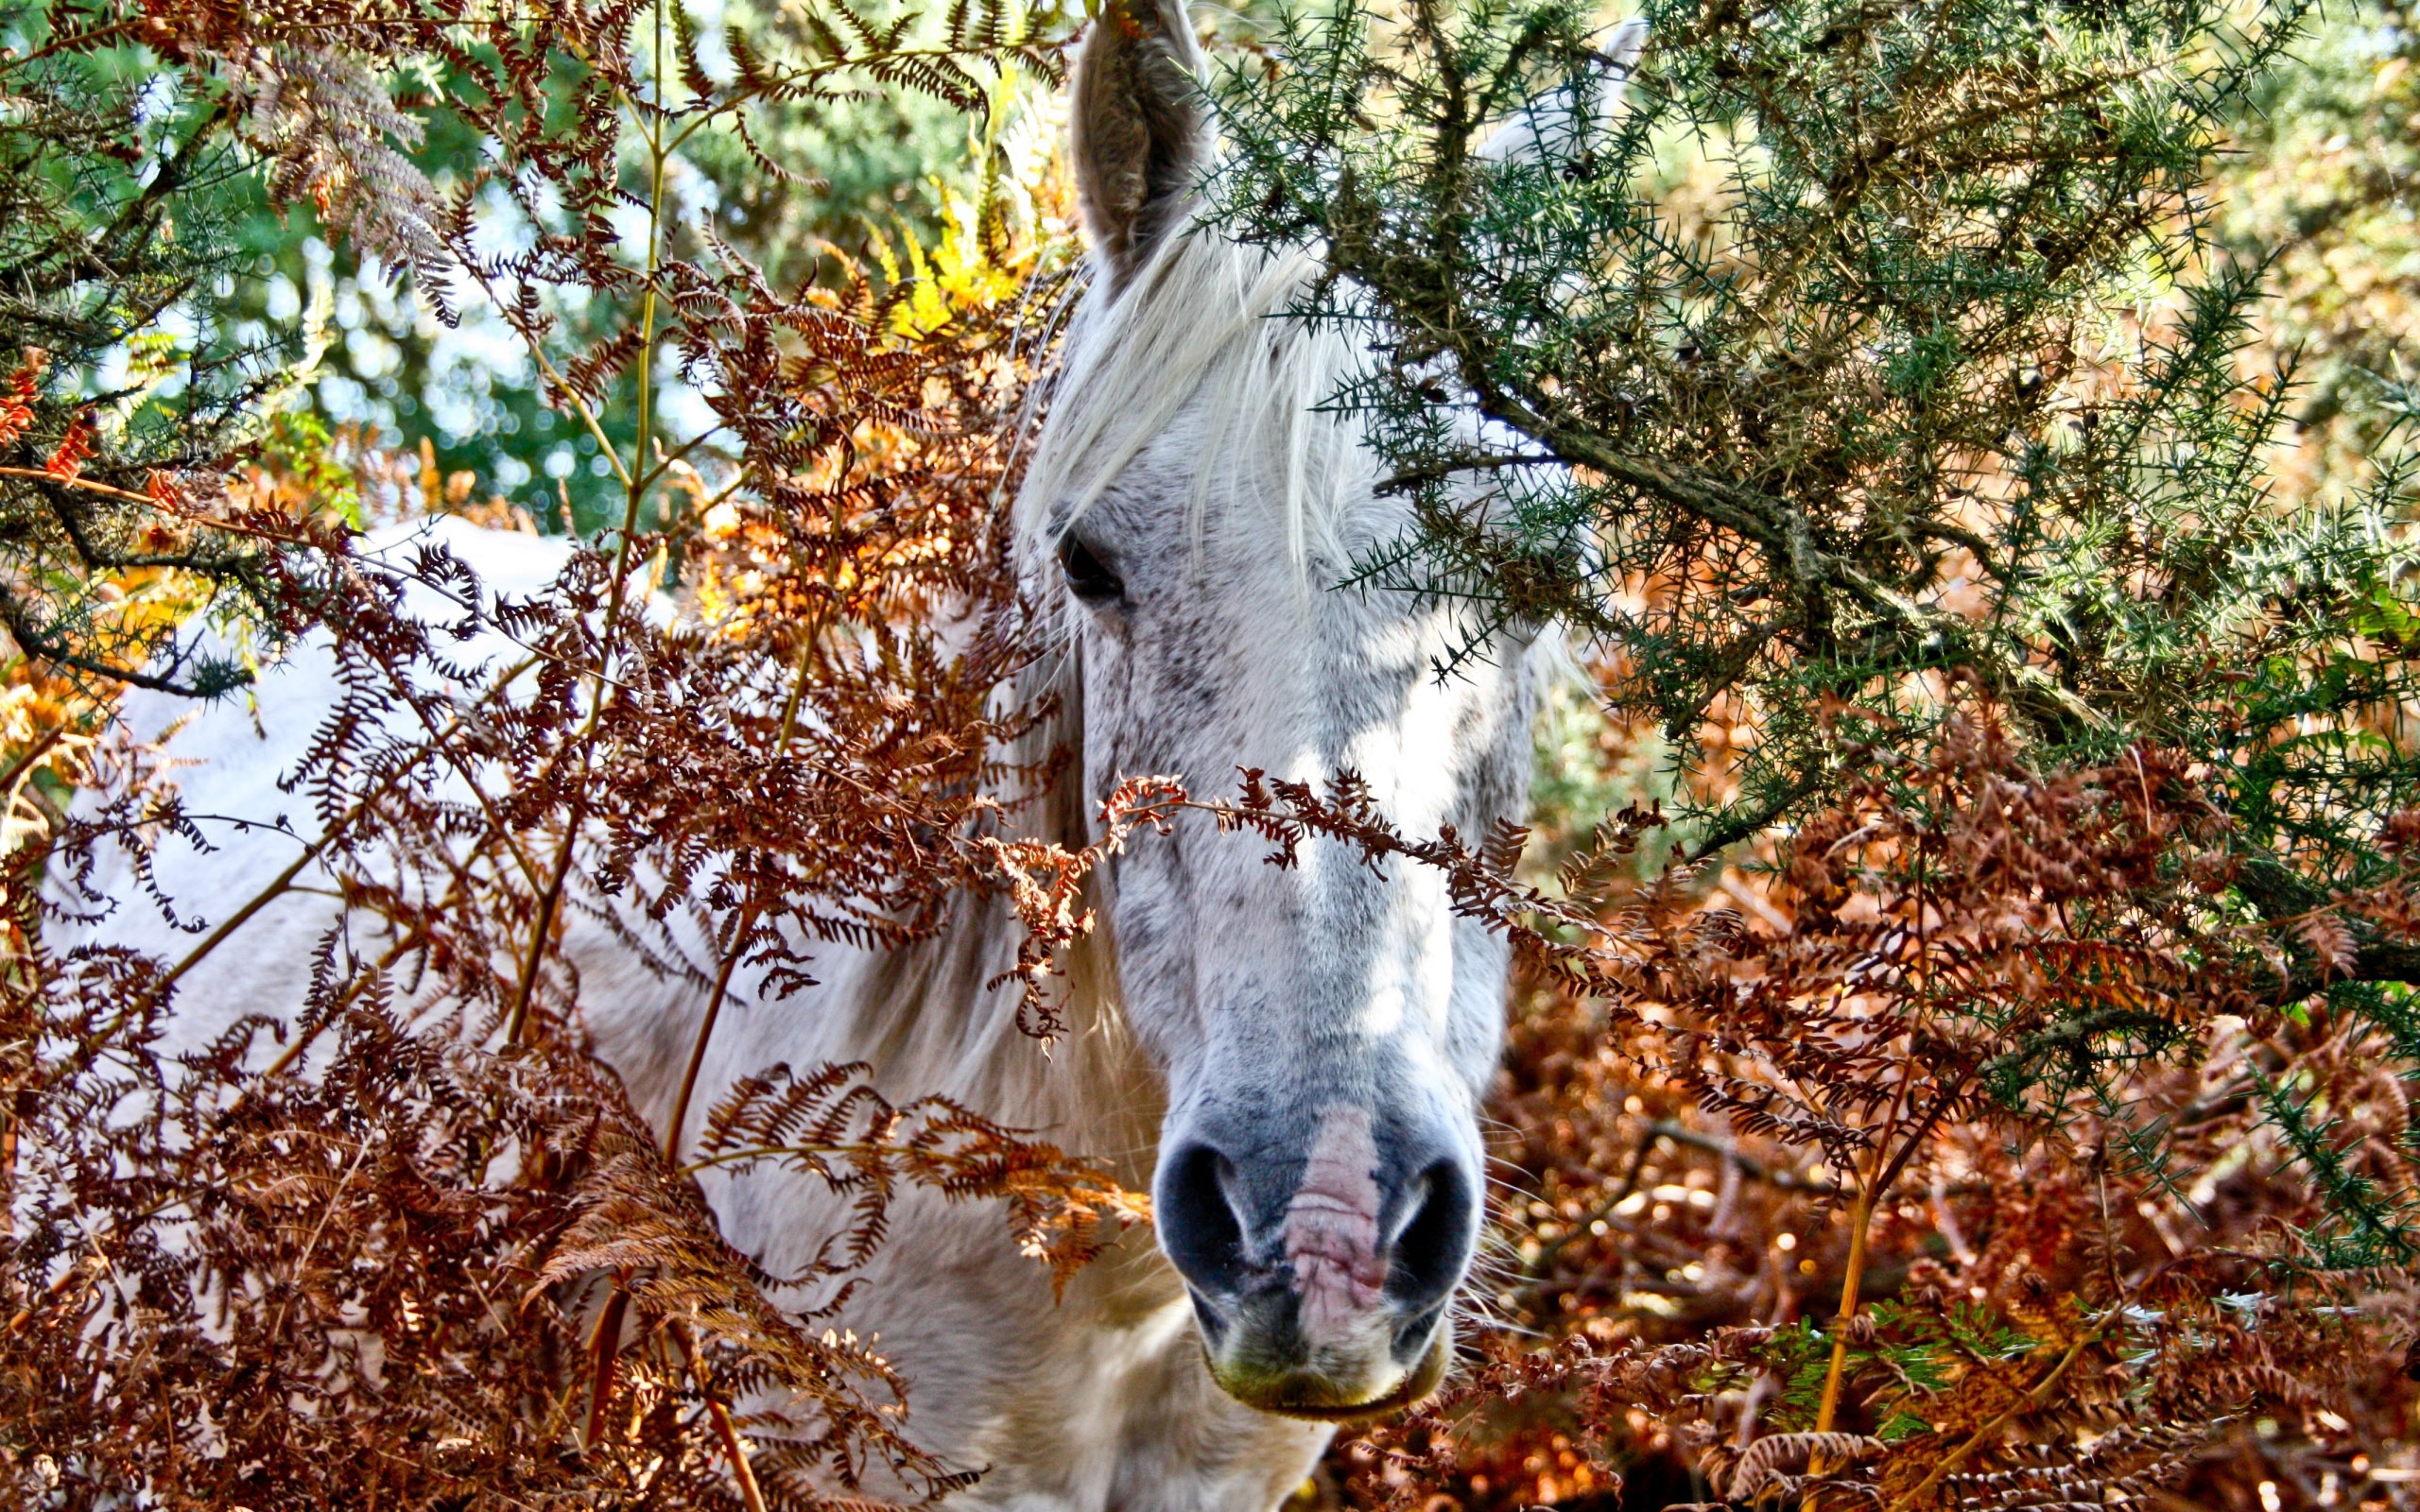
(1088, 578)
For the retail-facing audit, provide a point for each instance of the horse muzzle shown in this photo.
(1320, 1277)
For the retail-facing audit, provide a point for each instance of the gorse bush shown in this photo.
(1914, 364)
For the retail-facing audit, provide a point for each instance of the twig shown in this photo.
(2034, 1397)
(72, 41)
(1852, 1280)
(277, 886)
(27, 758)
(302, 1261)
(738, 939)
(286, 1057)
(724, 1428)
(1747, 1166)
(542, 925)
(80, 483)
(605, 1345)
(1861, 1220)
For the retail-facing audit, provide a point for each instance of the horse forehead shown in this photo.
(1328, 669)
(1265, 489)
(1250, 635)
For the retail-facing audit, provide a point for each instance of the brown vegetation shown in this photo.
(1957, 1150)
(1960, 1160)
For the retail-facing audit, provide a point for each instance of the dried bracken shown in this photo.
(401, 1243)
(387, 1278)
(1964, 1157)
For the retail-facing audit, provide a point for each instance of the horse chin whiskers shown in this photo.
(1377, 1362)
(1320, 1395)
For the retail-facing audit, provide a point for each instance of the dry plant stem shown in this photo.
(2034, 1397)
(1852, 1277)
(286, 1057)
(705, 1033)
(724, 1428)
(554, 375)
(739, 943)
(739, 1469)
(667, 462)
(608, 1343)
(1861, 1221)
(73, 42)
(542, 925)
(28, 757)
(1869, 1192)
(1886, 1170)
(276, 888)
(1868, 1198)
(35, 474)
(283, 881)
(605, 1348)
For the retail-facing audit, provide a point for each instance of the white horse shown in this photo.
(1293, 1059)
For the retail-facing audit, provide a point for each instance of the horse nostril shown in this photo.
(1435, 1245)
(1197, 1218)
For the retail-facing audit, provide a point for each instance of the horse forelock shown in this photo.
(1211, 327)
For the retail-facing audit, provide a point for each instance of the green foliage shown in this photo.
(2319, 186)
(407, 218)
(119, 202)
(883, 159)
(2366, 1228)
(1886, 340)
(298, 445)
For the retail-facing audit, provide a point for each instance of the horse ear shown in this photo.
(1140, 132)
(1557, 127)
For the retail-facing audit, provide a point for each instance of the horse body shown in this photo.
(1291, 1058)
(1096, 1399)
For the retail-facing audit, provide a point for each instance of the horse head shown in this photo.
(1326, 1030)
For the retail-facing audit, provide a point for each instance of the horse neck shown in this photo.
(934, 1018)
(941, 1014)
